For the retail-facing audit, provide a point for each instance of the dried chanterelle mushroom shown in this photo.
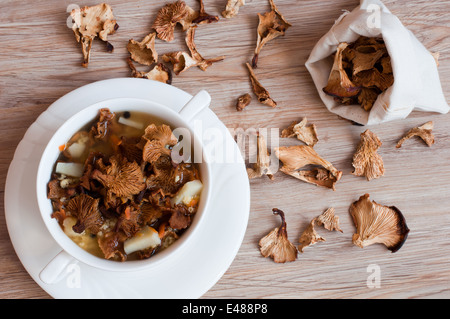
(182, 61)
(366, 161)
(262, 94)
(143, 52)
(361, 71)
(305, 133)
(232, 8)
(271, 25)
(298, 156)
(309, 236)
(376, 223)
(276, 244)
(424, 132)
(90, 22)
(262, 165)
(159, 72)
(243, 101)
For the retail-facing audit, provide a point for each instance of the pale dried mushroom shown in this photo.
(294, 158)
(204, 17)
(271, 25)
(329, 220)
(159, 72)
(366, 161)
(262, 165)
(425, 132)
(309, 237)
(143, 52)
(376, 223)
(261, 93)
(243, 101)
(92, 22)
(232, 8)
(276, 244)
(305, 133)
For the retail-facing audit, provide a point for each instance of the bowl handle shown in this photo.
(57, 268)
(197, 104)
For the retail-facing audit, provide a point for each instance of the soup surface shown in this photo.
(117, 193)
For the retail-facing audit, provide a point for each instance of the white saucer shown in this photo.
(195, 271)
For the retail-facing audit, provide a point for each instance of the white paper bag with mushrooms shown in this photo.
(369, 68)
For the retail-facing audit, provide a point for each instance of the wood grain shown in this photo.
(40, 62)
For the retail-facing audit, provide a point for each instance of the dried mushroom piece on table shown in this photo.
(143, 52)
(425, 132)
(182, 61)
(271, 25)
(261, 93)
(159, 72)
(305, 133)
(366, 161)
(376, 223)
(361, 71)
(329, 220)
(92, 22)
(243, 101)
(262, 165)
(276, 244)
(167, 18)
(203, 17)
(232, 8)
(309, 236)
(294, 158)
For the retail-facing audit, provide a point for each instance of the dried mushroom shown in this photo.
(243, 101)
(329, 220)
(309, 237)
(167, 18)
(92, 22)
(159, 141)
(376, 223)
(261, 93)
(425, 132)
(294, 158)
(262, 165)
(85, 209)
(271, 25)
(143, 52)
(182, 61)
(204, 17)
(366, 161)
(276, 244)
(305, 133)
(159, 72)
(361, 71)
(232, 8)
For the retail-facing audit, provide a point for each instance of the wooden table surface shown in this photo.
(40, 62)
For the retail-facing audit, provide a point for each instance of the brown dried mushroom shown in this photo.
(276, 244)
(167, 18)
(92, 22)
(376, 223)
(425, 132)
(262, 165)
(305, 133)
(310, 236)
(361, 71)
(204, 17)
(159, 72)
(271, 25)
(143, 52)
(296, 157)
(261, 93)
(366, 161)
(232, 8)
(243, 101)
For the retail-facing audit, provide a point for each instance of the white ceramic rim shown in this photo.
(87, 115)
